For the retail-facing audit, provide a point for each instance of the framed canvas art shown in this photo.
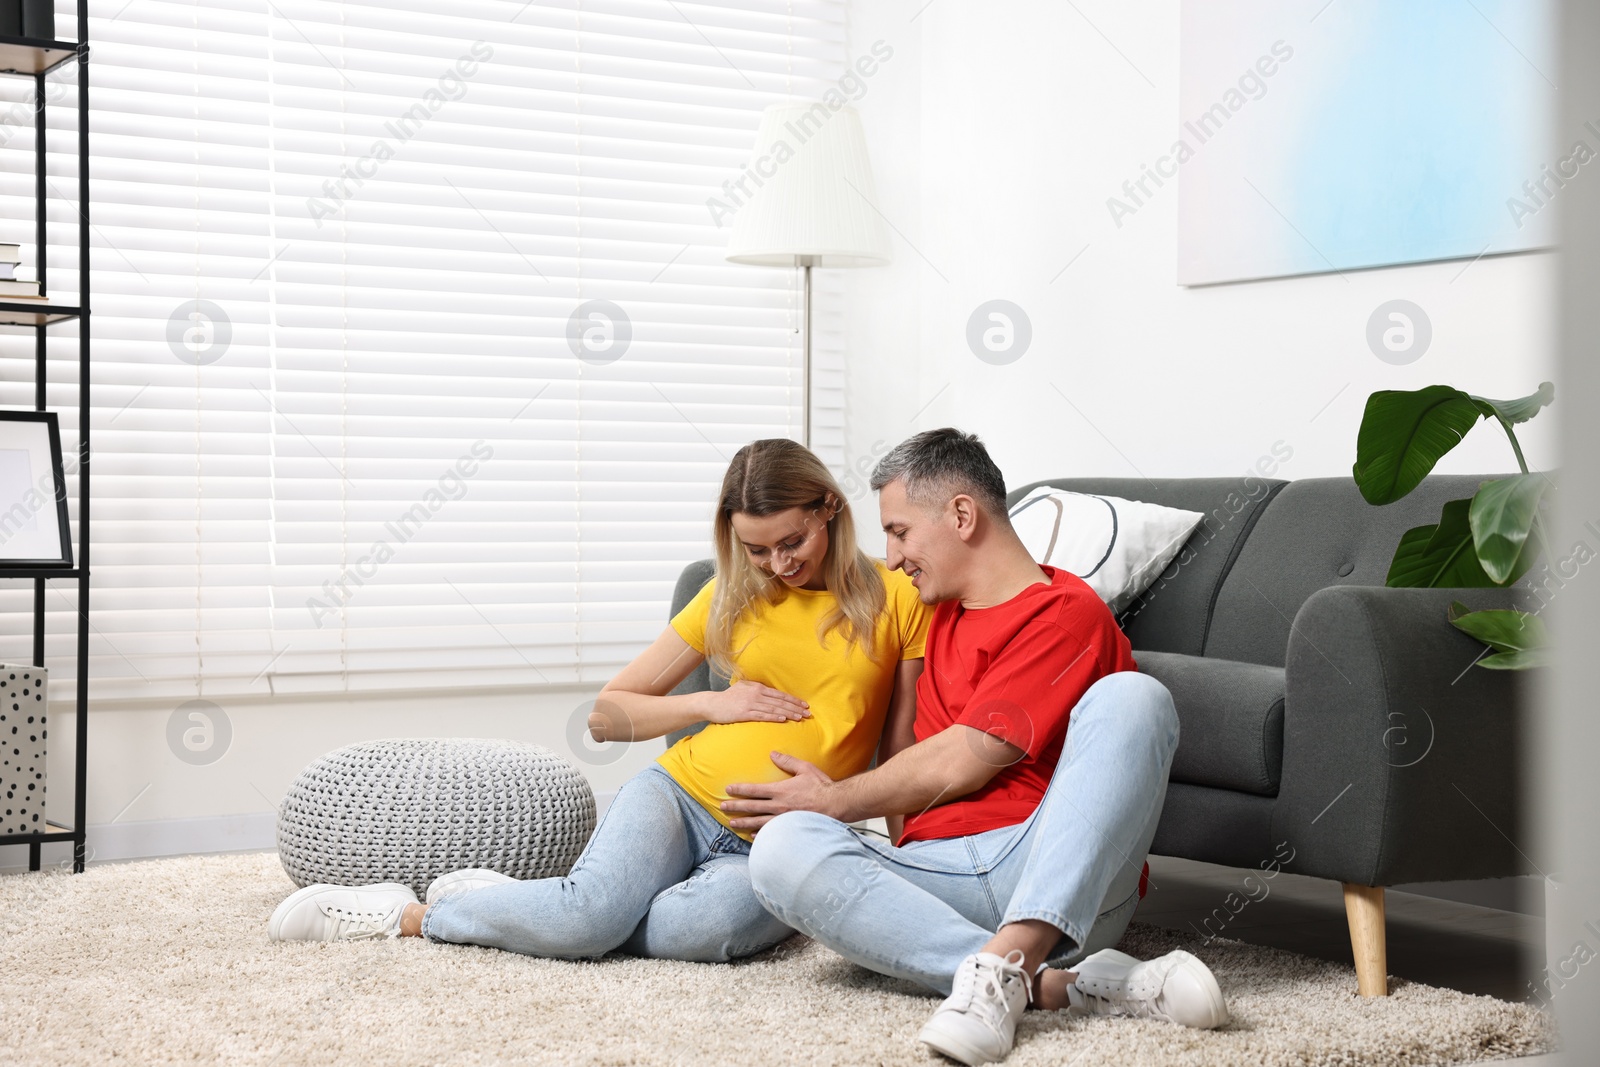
(1318, 137)
(34, 531)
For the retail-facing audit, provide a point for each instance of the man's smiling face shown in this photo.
(919, 542)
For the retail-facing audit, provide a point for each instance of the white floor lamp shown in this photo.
(810, 203)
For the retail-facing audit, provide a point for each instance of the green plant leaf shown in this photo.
(1517, 661)
(1510, 412)
(1519, 638)
(1403, 434)
(1502, 514)
(1406, 564)
(1439, 556)
(1519, 410)
(1502, 629)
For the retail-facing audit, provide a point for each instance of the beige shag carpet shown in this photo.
(167, 961)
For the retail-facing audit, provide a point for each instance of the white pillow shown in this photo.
(1117, 546)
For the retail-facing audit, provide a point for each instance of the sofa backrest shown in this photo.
(1174, 614)
(1315, 533)
(702, 677)
(1262, 549)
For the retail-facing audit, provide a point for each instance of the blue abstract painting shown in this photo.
(1331, 136)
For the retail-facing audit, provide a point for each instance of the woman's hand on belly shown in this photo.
(753, 702)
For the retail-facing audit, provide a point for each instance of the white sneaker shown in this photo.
(977, 1023)
(341, 913)
(1176, 987)
(460, 881)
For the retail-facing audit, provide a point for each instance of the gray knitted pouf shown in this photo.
(410, 809)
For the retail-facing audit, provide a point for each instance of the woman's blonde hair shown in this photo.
(766, 477)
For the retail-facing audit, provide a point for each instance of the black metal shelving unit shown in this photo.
(25, 58)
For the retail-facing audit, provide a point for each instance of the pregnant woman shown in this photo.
(823, 645)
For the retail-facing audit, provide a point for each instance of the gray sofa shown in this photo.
(1323, 716)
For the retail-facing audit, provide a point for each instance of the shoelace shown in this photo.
(1135, 999)
(994, 978)
(351, 924)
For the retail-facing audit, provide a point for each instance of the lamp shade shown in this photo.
(807, 194)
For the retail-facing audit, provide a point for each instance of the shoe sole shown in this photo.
(440, 887)
(952, 1046)
(275, 924)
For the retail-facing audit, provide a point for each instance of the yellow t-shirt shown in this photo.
(848, 691)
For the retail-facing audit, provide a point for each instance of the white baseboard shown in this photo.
(115, 841)
(121, 841)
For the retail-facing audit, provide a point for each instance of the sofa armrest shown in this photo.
(1401, 762)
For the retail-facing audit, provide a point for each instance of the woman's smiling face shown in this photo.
(791, 544)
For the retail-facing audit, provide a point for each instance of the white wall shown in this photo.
(997, 133)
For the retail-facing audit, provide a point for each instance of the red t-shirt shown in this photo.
(1015, 671)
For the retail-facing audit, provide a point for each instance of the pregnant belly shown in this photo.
(741, 751)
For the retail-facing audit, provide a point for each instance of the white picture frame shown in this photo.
(34, 529)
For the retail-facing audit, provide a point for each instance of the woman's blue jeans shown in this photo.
(659, 877)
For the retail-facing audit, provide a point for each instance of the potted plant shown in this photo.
(1489, 539)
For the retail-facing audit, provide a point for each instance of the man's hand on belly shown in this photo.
(951, 764)
(807, 789)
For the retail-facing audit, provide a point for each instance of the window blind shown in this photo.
(416, 360)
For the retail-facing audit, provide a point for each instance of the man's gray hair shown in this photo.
(936, 465)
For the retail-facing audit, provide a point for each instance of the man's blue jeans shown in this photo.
(659, 877)
(916, 912)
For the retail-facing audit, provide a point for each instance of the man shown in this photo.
(1030, 787)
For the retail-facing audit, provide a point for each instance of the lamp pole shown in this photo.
(805, 349)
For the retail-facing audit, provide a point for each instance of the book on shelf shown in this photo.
(10, 253)
(15, 289)
(8, 271)
(28, 18)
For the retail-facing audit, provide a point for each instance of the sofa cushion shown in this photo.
(1173, 614)
(1317, 532)
(1230, 720)
(1215, 826)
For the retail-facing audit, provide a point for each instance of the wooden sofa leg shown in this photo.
(1363, 907)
